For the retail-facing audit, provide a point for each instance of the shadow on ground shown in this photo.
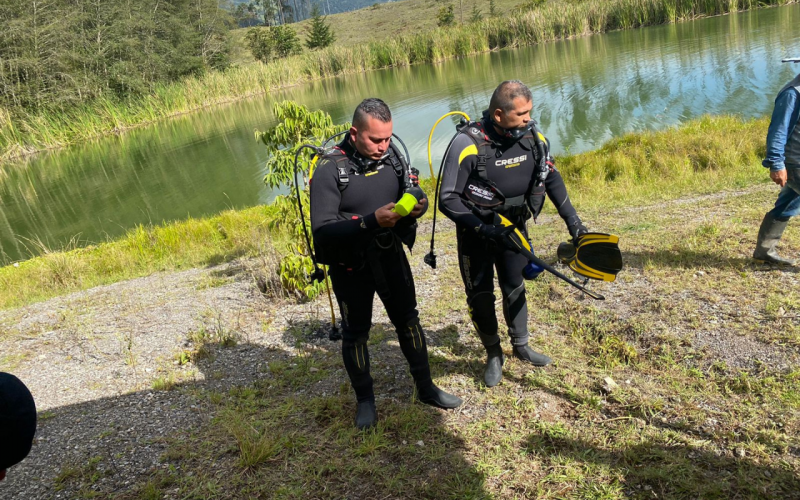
(279, 425)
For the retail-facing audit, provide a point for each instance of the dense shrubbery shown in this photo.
(270, 43)
(297, 125)
(56, 54)
(446, 16)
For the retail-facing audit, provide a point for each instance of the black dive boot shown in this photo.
(494, 365)
(366, 415)
(415, 349)
(434, 396)
(356, 361)
(769, 234)
(527, 354)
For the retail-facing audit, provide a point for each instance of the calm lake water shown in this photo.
(586, 91)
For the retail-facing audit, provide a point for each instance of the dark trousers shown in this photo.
(477, 260)
(388, 274)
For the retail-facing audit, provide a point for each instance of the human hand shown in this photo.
(418, 208)
(497, 234)
(386, 216)
(778, 177)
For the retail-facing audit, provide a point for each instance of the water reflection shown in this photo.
(586, 91)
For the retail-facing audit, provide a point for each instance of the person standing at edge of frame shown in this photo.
(783, 161)
(17, 422)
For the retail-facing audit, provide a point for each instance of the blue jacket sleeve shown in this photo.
(784, 119)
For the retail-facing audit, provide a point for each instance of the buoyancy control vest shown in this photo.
(517, 206)
(348, 163)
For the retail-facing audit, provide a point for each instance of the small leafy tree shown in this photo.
(321, 34)
(297, 125)
(286, 41)
(476, 15)
(269, 43)
(446, 16)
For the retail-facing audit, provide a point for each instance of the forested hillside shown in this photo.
(56, 54)
(325, 6)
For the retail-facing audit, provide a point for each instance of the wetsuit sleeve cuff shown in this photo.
(371, 221)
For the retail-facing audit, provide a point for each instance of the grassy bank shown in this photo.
(703, 156)
(143, 250)
(553, 21)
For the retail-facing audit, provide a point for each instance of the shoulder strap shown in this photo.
(474, 130)
(339, 157)
(398, 163)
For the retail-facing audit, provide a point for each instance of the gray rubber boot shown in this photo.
(494, 365)
(768, 237)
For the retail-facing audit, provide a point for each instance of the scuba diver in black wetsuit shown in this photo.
(506, 151)
(358, 233)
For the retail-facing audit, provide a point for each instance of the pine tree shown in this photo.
(321, 35)
(446, 16)
(476, 15)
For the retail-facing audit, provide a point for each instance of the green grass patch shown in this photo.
(142, 251)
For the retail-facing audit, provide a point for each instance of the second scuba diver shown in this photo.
(360, 234)
(504, 153)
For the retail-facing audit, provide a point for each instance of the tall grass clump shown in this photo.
(701, 156)
(21, 133)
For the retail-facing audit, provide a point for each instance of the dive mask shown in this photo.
(512, 134)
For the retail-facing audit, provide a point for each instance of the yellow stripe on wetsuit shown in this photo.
(467, 151)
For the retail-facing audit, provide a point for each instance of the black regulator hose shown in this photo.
(430, 257)
(318, 274)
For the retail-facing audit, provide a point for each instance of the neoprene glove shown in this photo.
(496, 234)
(576, 229)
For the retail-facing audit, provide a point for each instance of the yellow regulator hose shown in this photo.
(430, 137)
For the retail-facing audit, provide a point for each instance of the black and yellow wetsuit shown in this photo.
(511, 166)
(365, 258)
